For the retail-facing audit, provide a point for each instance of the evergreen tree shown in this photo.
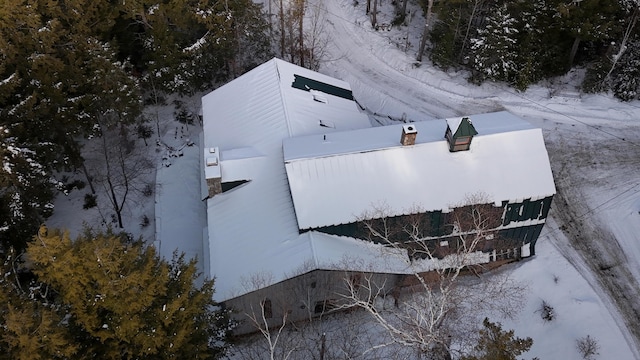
(112, 299)
(59, 78)
(25, 191)
(497, 344)
(190, 45)
(626, 83)
(593, 21)
(494, 48)
(447, 35)
(540, 53)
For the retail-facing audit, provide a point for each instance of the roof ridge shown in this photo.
(282, 97)
(314, 253)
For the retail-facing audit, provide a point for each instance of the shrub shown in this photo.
(90, 201)
(144, 222)
(547, 312)
(588, 347)
(147, 190)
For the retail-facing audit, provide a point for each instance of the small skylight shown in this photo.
(327, 124)
(212, 161)
(319, 98)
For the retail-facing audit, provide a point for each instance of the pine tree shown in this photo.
(626, 84)
(58, 76)
(32, 327)
(494, 48)
(595, 21)
(539, 51)
(25, 191)
(191, 45)
(110, 299)
(497, 344)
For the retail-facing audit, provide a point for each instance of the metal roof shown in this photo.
(252, 230)
(338, 179)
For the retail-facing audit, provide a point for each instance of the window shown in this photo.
(230, 185)
(266, 309)
(324, 306)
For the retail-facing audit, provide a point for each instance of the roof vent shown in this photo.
(317, 96)
(212, 161)
(327, 124)
(409, 133)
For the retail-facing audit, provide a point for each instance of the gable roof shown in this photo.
(337, 179)
(252, 229)
(461, 127)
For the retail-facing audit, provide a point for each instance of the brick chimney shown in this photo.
(212, 171)
(409, 134)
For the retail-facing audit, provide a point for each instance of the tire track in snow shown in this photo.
(591, 246)
(358, 62)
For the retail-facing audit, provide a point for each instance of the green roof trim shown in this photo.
(306, 84)
(465, 129)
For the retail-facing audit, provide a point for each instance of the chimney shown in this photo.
(409, 134)
(212, 171)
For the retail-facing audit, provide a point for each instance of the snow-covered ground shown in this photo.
(588, 258)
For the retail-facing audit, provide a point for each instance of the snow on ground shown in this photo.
(180, 212)
(592, 142)
(579, 310)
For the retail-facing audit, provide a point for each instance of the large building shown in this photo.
(291, 166)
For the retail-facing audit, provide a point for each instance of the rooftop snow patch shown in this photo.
(338, 178)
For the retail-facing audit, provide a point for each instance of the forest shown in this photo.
(78, 72)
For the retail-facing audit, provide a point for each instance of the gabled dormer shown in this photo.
(459, 134)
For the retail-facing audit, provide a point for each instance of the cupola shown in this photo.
(459, 134)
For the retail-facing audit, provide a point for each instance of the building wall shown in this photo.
(300, 298)
(514, 225)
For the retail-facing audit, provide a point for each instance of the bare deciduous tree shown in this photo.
(316, 37)
(121, 168)
(297, 320)
(436, 306)
(426, 31)
(301, 32)
(633, 13)
(588, 347)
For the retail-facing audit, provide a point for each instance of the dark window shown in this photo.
(226, 186)
(324, 306)
(267, 310)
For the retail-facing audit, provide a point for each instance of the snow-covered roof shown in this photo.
(300, 139)
(454, 123)
(252, 229)
(337, 178)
